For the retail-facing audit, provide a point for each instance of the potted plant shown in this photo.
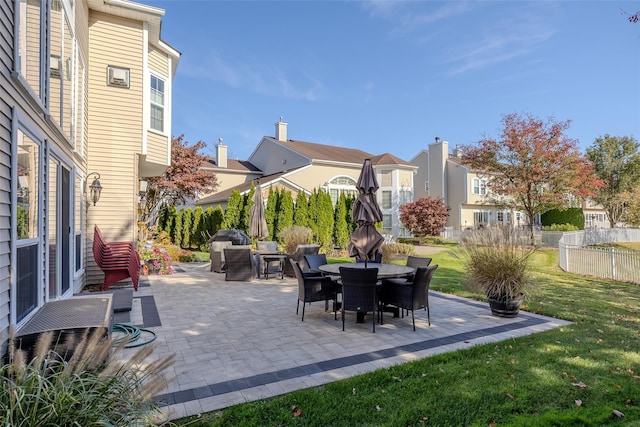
(496, 264)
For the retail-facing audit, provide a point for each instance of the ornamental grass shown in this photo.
(89, 387)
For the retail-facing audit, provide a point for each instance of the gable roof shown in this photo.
(232, 164)
(224, 195)
(389, 159)
(325, 152)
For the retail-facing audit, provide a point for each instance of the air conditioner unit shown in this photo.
(118, 76)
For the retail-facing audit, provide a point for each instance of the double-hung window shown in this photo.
(479, 186)
(157, 103)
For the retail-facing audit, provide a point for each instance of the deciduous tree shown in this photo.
(181, 182)
(617, 162)
(533, 167)
(425, 217)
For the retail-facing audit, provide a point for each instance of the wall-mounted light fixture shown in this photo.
(95, 187)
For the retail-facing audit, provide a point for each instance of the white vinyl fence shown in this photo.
(576, 256)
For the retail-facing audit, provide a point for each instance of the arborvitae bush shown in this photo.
(233, 211)
(341, 227)
(196, 230)
(574, 216)
(301, 212)
(285, 212)
(270, 213)
(187, 223)
(176, 237)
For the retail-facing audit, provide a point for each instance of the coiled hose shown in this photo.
(132, 334)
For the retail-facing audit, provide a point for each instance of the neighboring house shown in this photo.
(305, 166)
(86, 93)
(441, 174)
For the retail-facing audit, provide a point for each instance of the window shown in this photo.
(61, 67)
(342, 185)
(385, 178)
(405, 196)
(479, 186)
(386, 199)
(30, 31)
(28, 217)
(386, 222)
(157, 104)
(481, 218)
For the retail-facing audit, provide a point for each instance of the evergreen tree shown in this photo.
(285, 211)
(233, 211)
(187, 227)
(351, 224)
(197, 238)
(341, 227)
(325, 221)
(301, 212)
(163, 218)
(217, 220)
(171, 221)
(313, 211)
(270, 213)
(176, 237)
(245, 214)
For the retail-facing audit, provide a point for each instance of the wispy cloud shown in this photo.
(497, 43)
(263, 79)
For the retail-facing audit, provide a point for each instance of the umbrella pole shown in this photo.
(366, 257)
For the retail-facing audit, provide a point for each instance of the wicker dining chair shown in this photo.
(359, 291)
(415, 262)
(311, 289)
(409, 297)
(240, 264)
(314, 261)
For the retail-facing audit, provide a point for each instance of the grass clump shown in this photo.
(496, 261)
(88, 387)
(294, 235)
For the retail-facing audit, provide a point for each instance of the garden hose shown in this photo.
(132, 334)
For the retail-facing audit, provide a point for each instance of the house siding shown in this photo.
(115, 128)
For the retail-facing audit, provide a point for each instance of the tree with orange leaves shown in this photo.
(533, 168)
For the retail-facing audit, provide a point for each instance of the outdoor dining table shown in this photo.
(385, 271)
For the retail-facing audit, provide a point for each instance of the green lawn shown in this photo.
(575, 375)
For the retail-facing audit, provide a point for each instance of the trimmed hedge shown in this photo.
(573, 216)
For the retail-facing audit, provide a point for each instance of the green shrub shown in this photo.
(293, 236)
(573, 216)
(90, 387)
(559, 227)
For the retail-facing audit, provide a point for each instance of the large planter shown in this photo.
(505, 308)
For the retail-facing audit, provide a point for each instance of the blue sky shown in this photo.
(390, 76)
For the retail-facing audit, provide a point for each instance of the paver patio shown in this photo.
(236, 342)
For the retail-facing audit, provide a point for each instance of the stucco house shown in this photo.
(85, 96)
(304, 166)
(442, 174)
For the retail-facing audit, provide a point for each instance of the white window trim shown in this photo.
(21, 123)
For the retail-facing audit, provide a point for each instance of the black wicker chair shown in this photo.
(409, 296)
(240, 264)
(312, 289)
(298, 255)
(314, 261)
(359, 291)
(415, 262)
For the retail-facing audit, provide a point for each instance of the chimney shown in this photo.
(281, 130)
(221, 154)
(457, 152)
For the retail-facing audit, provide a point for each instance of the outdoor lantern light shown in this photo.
(95, 187)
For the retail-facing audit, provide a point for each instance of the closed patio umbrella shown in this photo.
(365, 241)
(257, 221)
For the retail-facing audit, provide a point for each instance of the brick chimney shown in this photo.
(221, 154)
(281, 131)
